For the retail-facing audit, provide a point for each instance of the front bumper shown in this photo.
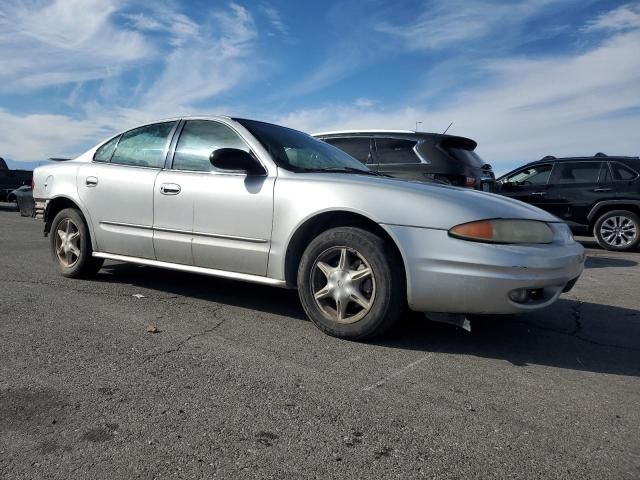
(445, 274)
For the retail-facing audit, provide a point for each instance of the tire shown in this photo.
(371, 304)
(618, 230)
(72, 257)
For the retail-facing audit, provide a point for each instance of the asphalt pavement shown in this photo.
(238, 384)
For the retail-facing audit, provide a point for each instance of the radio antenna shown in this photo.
(447, 129)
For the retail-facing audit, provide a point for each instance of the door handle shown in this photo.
(91, 181)
(602, 189)
(170, 189)
(540, 194)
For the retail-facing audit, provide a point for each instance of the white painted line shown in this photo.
(404, 369)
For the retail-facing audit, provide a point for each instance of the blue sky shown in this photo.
(524, 79)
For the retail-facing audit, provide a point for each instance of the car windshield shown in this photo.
(299, 152)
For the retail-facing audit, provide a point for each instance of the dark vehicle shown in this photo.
(12, 179)
(597, 195)
(23, 197)
(425, 157)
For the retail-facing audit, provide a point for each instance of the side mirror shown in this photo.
(236, 160)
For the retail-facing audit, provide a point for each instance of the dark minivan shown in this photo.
(597, 195)
(425, 157)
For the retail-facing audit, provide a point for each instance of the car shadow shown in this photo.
(267, 299)
(570, 334)
(608, 262)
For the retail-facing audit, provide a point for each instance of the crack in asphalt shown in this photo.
(187, 339)
(578, 327)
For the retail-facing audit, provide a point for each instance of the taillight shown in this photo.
(33, 184)
(470, 182)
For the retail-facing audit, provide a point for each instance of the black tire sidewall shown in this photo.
(387, 306)
(83, 265)
(613, 213)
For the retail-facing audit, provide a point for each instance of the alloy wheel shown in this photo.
(67, 243)
(618, 231)
(343, 284)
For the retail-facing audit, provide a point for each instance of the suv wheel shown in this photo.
(71, 245)
(347, 285)
(618, 230)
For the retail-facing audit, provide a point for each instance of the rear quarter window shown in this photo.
(395, 151)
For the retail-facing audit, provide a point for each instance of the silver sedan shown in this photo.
(252, 201)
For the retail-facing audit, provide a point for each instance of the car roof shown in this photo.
(401, 134)
(598, 157)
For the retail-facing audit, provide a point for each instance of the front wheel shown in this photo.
(618, 230)
(348, 286)
(71, 245)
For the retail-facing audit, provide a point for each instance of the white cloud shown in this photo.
(622, 18)
(211, 62)
(363, 103)
(40, 136)
(454, 21)
(64, 41)
(275, 19)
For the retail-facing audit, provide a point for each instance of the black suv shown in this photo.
(425, 157)
(597, 195)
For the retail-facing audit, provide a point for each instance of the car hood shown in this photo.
(399, 202)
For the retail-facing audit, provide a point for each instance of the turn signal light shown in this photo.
(504, 231)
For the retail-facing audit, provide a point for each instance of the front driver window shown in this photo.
(536, 175)
(198, 139)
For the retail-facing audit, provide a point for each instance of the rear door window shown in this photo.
(358, 148)
(103, 154)
(144, 146)
(577, 172)
(395, 151)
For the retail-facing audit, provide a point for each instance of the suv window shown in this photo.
(536, 175)
(395, 151)
(621, 172)
(577, 172)
(198, 139)
(144, 146)
(103, 154)
(359, 148)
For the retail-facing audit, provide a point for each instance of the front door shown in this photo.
(529, 185)
(230, 214)
(117, 189)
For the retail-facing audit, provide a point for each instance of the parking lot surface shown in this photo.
(238, 384)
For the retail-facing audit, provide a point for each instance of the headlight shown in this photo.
(504, 231)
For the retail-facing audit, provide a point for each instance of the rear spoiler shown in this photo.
(459, 142)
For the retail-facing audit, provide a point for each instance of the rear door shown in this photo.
(117, 189)
(397, 157)
(574, 188)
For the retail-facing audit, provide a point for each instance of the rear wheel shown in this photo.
(348, 286)
(618, 230)
(71, 245)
